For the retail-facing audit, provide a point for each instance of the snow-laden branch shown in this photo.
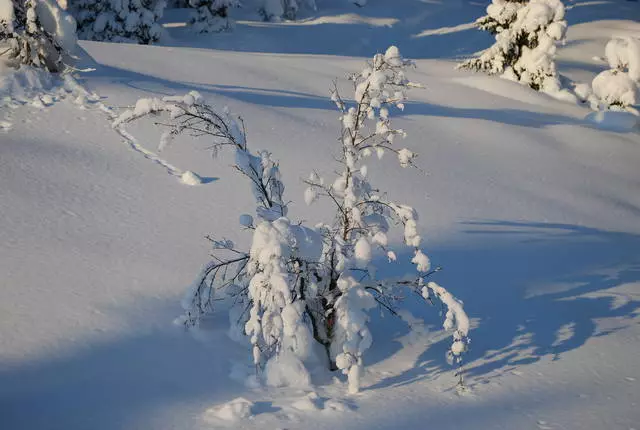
(189, 114)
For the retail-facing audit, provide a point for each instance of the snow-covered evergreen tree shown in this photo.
(618, 86)
(500, 15)
(275, 10)
(211, 15)
(118, 20)
(36, 33)
(526, 50)
(172, 4)
(299, 286)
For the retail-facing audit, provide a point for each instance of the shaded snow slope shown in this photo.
(533, 212)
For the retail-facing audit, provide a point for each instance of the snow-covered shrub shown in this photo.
(298, 288)
(275, 10)
(118, 20)
(526, 50)
(500, 15)
(211, 15)
(36, 33)
(618, 86)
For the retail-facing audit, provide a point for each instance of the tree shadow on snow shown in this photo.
(537, 290)
(422, 29)
(120, 382)
(433, 29)
(287, 99)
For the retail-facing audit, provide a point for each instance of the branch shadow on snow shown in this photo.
(120, 383)
(539, 291)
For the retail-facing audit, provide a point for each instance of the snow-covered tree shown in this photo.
(526, 50)
(211, 15)
(275, 10)
(618, 86)
(299, 286)
(36, 33)
(173, 4)
(117, 20)
(500, 15)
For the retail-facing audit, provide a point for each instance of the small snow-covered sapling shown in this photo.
(298, 286)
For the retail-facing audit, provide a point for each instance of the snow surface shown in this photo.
(532, 210)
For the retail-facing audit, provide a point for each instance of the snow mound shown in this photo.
(615, 87)
(612, 120)
(287, 370)
(190, 178)
(503, 88)
(335, 405)
(310, 402)
(313, 402)
(24, 83)
(244, 374)
(236, 409)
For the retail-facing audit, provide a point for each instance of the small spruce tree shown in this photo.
(525, 51)
(617, 87)
(117, 20)
(211, 15)
(298, 286)
(275, 10)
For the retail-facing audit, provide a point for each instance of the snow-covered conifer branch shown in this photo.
(500, 15)
(211, 15)
(118, 21)
(276, 10)
(36, 33)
